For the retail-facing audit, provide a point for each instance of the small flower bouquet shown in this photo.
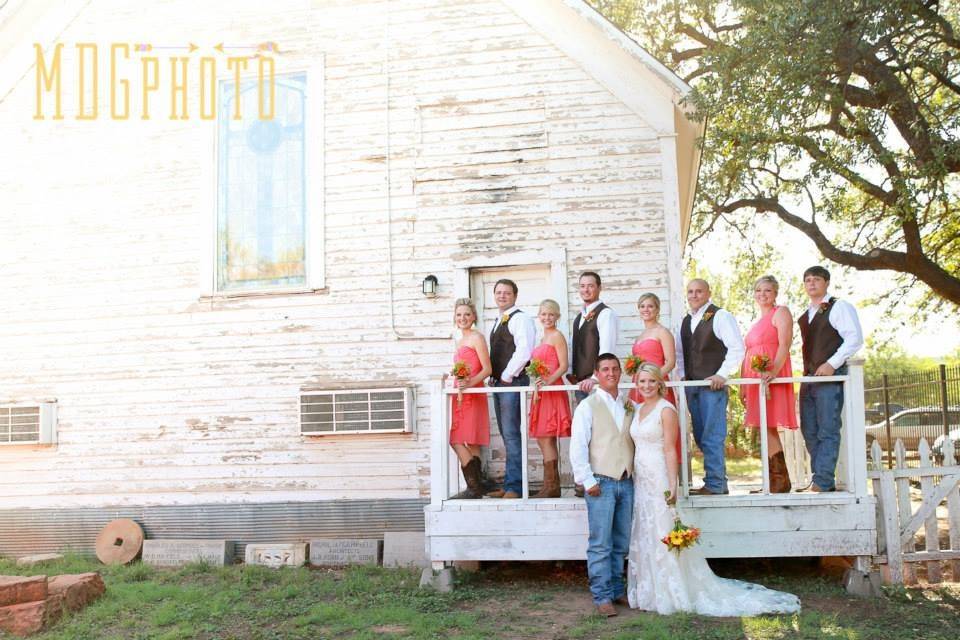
(460, 371)
(681, 536)
(632, 364)
(761, 364)
(537, 370)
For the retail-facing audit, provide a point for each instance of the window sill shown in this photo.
(27, 446)
(227, 296)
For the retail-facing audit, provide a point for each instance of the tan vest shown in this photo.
(611, 450)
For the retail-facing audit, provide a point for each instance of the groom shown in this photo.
(601, 454)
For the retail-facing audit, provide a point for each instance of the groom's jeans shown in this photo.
(708, 413)
(507, 408)
(609, 516)
(821, 406)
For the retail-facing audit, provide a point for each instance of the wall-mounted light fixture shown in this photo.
(430, 286)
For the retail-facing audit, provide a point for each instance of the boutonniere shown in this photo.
(707, 315)
(505, 319)
(589, 316)
(628, 406)
(823, 307)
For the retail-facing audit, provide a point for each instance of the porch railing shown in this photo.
(445, 471)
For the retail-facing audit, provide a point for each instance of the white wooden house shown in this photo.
(175, 290)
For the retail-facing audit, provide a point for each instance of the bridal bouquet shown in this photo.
(761, 364)
(460, 371)
(537, 370)
(632, 364)
(681, 536)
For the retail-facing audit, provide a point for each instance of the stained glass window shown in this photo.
(262, 188)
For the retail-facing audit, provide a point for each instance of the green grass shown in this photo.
(745, 469)
(511, 600)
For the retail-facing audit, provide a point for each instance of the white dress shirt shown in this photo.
(843, 317)
(524, 333)
(582, 431)
(727, 331)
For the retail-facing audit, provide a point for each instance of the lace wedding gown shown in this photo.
(660, 580)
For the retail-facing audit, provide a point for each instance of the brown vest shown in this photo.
(820, 339)
(703, 351)
(502, 346)
(611, 449)
(586, 344)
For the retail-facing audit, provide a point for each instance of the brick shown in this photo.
(77, 590)
(21, 589)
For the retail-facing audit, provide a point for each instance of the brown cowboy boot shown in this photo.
(779, 476)
(471, 473)
(551, 480)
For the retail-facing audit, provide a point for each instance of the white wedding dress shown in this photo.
(657, 578)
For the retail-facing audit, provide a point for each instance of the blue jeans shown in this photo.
(821, 405)
(708, 412)
(609, 516)
(507, 408)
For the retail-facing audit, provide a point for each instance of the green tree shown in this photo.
(841, 119)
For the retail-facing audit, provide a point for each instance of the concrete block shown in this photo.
(343, 551)
(176, 553)
(276, 554)
(404, 549)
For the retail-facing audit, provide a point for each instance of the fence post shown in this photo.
(943, 400)
(886, 416)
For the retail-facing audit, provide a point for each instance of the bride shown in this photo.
(658, 579)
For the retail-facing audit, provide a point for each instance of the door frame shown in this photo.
(555, 257)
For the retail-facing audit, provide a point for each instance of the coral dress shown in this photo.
(651, 350)
(471, 417)
(781, 406)
(550, 414)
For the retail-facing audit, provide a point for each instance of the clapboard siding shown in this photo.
(498, 141)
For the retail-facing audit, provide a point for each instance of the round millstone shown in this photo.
(119, 542)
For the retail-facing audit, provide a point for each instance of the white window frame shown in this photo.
(314, 122)
(47, 432)
(409, 411)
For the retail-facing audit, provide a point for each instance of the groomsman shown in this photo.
(594, 332)
(831, 334)
(511, 341)
(709, 347)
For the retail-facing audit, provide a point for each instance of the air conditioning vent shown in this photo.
(28, 423)
(356, 411)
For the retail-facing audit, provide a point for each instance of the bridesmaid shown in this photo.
(550, 416)
(470, 425)
(771, 336)
(655, 345)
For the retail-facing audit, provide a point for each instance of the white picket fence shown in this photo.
(898, 524)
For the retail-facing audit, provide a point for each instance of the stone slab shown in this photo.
(276, 554)
(22, 589)
(343, 551)
(76, 590)
(27, 561)
(404, 549)
(29, 618)
(176, 553)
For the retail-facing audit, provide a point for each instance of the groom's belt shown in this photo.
(625, 475)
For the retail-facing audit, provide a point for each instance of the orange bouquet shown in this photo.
(460, 371)
(537, 370)
(681, 536)
(632, 364)
(761, 364)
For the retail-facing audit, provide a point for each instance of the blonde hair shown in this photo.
(465, 302)
(550, 305)
(650, 296)
(654, 370)
(771, 280)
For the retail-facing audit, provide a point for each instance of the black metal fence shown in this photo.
(911, 406)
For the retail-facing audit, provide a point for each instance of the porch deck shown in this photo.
(737, 525)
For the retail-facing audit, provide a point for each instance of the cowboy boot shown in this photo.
(485, 482)
(551, 480)
(779, 476)
(471, 474)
